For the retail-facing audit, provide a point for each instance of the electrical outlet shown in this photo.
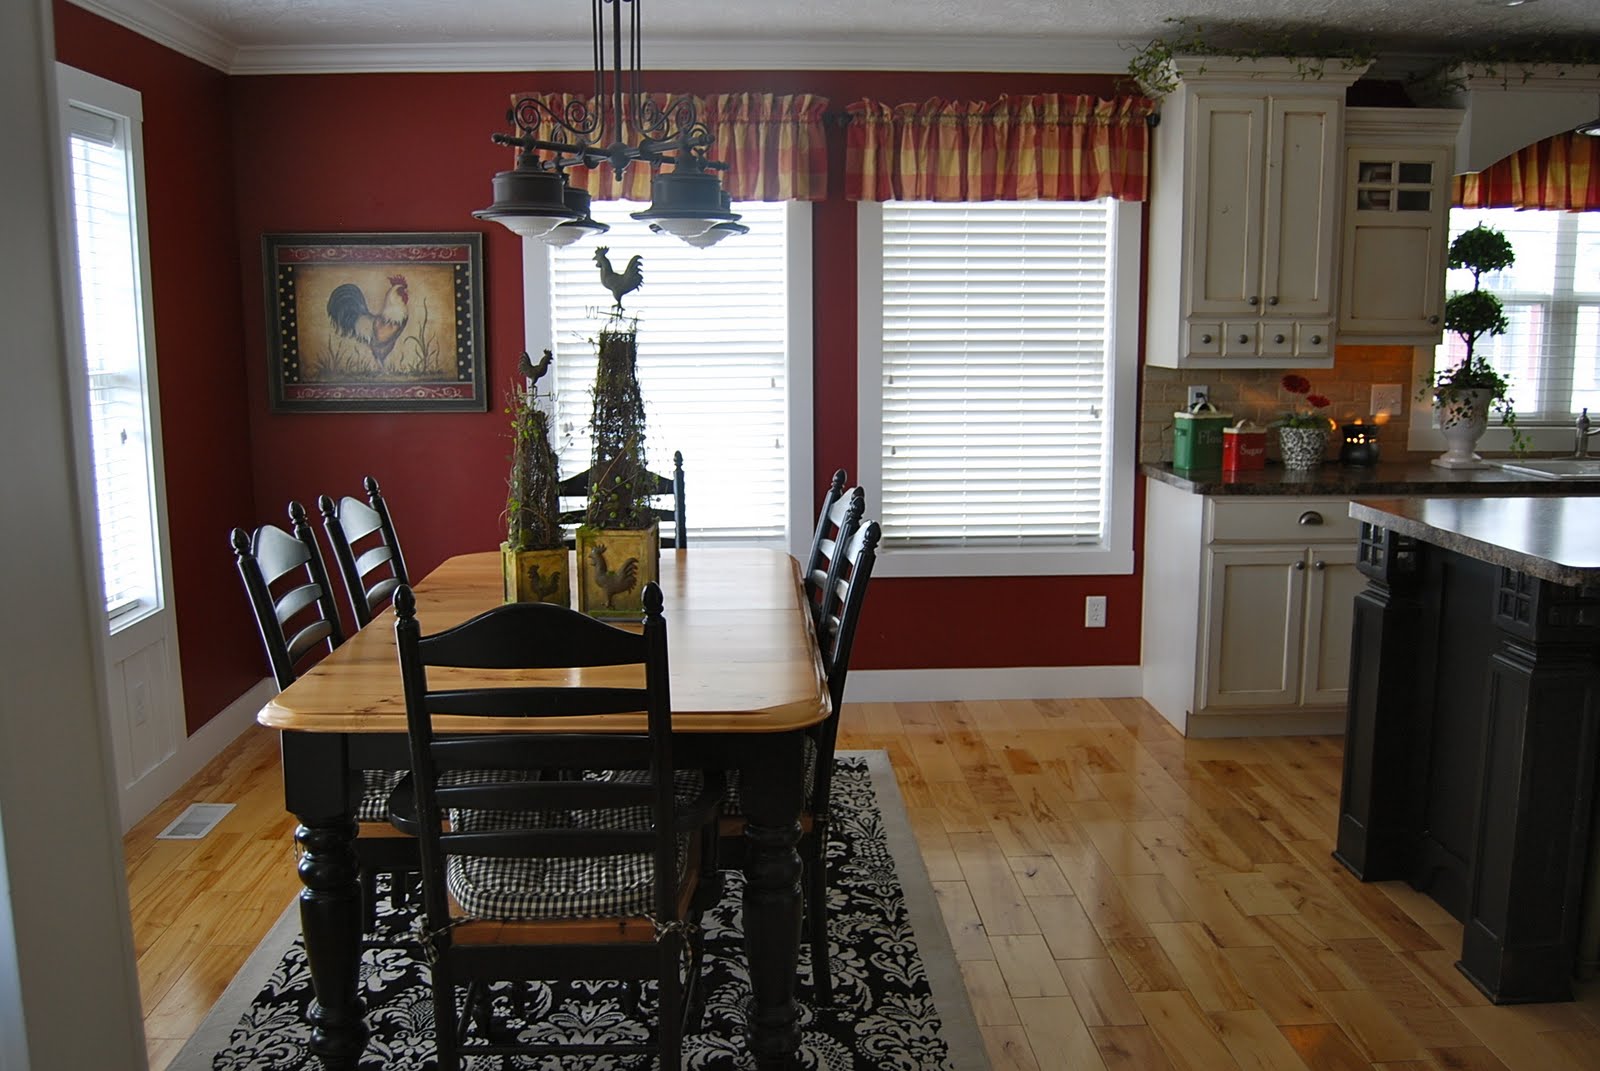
(1387, 399)
(1094, 611)
(1197, 395)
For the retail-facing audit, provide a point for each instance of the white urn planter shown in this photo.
(1463, 418)
(1302, 448)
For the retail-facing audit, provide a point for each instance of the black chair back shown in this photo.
(289, 593)
(452, 770)
(577, 487)
(365, 548)
(841, 514)
(836, 635)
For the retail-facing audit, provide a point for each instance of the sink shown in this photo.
(1556, 468)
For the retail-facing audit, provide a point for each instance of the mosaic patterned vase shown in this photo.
(1302, 447)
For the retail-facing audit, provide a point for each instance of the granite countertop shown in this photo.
(1552, 538)
(1386, 478)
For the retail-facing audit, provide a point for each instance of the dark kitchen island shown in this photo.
(1471, 741)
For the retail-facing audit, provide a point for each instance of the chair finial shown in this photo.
(325, 504)
(240, 541)
(297, 512)
(652, 599)
(405, 602)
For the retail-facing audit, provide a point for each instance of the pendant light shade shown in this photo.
(686, 203)
(585, 225)
(530, 200)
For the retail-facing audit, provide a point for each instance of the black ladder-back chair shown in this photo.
(295, 624)
(543, 873)
(841, 513)
(661, 486)
(836, 634)
(373, 572)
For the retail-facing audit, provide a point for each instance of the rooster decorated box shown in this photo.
(614, 565)
(375, 322)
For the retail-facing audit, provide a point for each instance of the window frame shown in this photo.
(1113, 554)
(1422, 430)
(800, 522)
(124, 106)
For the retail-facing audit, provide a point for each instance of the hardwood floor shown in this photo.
(1119, 898)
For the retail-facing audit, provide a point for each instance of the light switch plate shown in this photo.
(1387, 399)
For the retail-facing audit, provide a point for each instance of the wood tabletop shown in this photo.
(740, 642)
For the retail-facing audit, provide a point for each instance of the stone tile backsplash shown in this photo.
(1257, 394)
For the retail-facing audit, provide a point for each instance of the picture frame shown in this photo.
(375, 322)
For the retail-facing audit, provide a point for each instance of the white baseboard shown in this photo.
(147, 793)
(1021, 682)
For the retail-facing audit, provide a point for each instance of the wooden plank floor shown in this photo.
(1119, 898)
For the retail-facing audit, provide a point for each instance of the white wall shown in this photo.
(69, 998)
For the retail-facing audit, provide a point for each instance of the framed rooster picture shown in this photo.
(375, 322)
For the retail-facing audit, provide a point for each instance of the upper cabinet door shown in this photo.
(1396, 224)
(1229, 143)
(1303, 160)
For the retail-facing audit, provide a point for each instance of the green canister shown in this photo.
(1197, 437)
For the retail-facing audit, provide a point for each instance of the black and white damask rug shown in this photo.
(899, 1002)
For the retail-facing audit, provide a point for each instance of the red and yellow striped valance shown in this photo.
(1562, 172)
(774, 147)
(1048, 147)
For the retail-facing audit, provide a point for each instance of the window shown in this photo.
(103, 150)
(724, 361)
(997, 356)
(1551, 350)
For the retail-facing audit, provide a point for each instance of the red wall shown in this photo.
(200, 337)
(231, 159)
(412, 152)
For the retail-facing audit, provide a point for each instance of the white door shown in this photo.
(1332, 584)
(1254, 626)
(1229, 144)
(1303, 168)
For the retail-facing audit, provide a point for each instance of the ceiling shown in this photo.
(262, 36)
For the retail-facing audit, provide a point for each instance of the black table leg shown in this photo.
(770, 788)
(318, 790)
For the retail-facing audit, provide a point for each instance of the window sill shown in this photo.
(1016, 561)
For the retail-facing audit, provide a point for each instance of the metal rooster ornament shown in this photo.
(630, 279)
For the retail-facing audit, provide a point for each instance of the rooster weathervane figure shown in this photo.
(630, 279)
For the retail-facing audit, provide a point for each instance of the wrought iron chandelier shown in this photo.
(624, 126)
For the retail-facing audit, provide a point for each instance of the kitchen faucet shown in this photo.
(1581, 446)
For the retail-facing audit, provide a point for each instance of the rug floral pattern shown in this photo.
(883, 1014)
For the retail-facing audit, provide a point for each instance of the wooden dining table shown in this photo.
(746, 681)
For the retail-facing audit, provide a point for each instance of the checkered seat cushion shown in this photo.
(616, 886)
(732, 804)
(376, 786)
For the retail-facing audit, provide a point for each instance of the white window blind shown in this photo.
(1551, 350)
(712, 362)
(996, 326)
(108, 277)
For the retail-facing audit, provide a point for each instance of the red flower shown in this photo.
(1297, 384)
(1318, 400)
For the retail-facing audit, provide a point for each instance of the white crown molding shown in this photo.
(1013, 54)
(166, 27)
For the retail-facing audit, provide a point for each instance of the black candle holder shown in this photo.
(1360, 444)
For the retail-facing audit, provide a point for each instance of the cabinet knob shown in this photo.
(1318, 566)
(1272, 300)
(1310, 517)
(1316, 340)
(1278, 339)
(1300, 566)
(1206, 339)
(1243, 339)
(1254, 300)
(1433, 319)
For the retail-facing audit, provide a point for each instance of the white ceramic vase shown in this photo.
(1302, 448)
(1463, 417)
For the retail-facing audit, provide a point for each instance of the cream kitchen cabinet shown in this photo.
(1396, 224)
(1247, 611)
(1244, 217)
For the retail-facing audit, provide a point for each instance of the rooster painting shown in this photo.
(347, 308)
(612, 583)
(631, 279)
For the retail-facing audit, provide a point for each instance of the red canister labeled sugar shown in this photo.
(1244, 447)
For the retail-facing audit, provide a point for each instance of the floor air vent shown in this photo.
(196, 821)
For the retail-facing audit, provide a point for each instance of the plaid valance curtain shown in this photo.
(1562, 172)
(1047, 147)
(774, 147)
